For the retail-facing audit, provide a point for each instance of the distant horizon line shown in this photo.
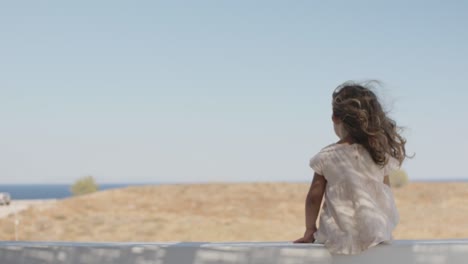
(218, 182)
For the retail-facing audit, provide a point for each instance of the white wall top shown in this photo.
(405, 252)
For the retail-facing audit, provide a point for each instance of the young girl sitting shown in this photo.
(359, 210)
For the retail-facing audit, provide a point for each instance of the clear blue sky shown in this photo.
(146, 91)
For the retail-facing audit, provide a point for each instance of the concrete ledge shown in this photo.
(405, 252)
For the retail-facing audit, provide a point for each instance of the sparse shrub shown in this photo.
(398, 178)
(84, 185)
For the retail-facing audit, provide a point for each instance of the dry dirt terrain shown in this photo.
(222, 212)
(17, 206)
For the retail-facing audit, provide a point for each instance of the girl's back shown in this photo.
(359, 210)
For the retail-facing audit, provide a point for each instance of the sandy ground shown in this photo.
(17, 206)
(218, 213)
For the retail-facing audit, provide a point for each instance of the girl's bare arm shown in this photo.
(314, 200)
(312, 207)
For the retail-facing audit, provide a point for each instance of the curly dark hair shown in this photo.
(366, 122)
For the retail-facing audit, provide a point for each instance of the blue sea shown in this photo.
(48, 191)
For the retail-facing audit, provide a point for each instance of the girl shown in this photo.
(359, 210)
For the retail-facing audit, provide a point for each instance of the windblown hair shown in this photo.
(367, 123)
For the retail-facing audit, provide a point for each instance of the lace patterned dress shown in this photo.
(359, 210)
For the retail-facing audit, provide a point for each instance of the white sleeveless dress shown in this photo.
(359, 210)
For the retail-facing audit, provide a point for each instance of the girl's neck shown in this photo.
(347, 140)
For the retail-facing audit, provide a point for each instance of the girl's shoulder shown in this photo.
(334, 147)
(318, 161)
(328, 148)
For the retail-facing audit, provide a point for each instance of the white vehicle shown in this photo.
(5, 198)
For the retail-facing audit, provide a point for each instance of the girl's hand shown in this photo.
(308, 236)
